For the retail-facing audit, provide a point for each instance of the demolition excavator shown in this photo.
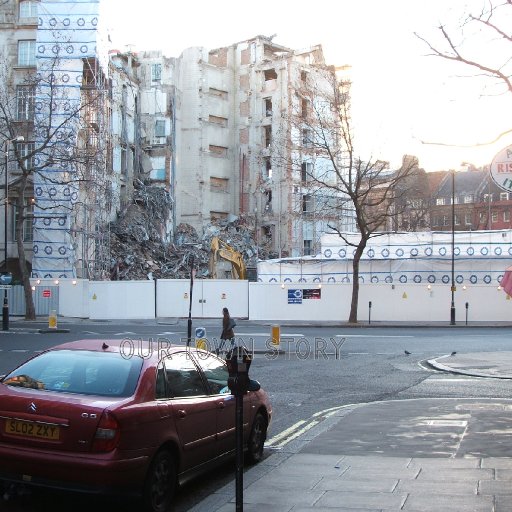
(225, 262)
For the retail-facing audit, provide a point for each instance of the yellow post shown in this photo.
(276, 334)
(52, 319)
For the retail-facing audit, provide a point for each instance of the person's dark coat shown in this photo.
(227, 329)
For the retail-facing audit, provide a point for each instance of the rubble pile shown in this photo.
(140, 248)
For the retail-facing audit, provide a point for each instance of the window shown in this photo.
(506, 216)
(218, 150)
(504, 196)
(457, 219)
(183, 378)
(214, 216)
(268, 107)
(303, 76)
(267, 169)
(27, 222)
(481, 216)
(219, 184)
(304, 108)
(216, 374)
(218, 93)
(124, 164)
(24, 150)
(270, 74)
(308, 246)
(79, 371)
(156, 72)
(306, 171)
(222, 121)
(28, 9)
(494, 217)
(440, 201)
(307, 138)
(445, 220)
(268, 136)
(307, 203)
(160, 128)
(435, 221)
(467, 219)
(25, 98)
(468, 198)
(27, 53)
(487, 198)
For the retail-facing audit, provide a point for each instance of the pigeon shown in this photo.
(407, 353)
(453, 353)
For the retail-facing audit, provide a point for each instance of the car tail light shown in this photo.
(107, 434)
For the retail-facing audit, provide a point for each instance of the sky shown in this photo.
(403, 101)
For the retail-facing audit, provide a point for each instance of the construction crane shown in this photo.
(222, 253)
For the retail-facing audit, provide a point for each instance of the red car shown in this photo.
(121, 417)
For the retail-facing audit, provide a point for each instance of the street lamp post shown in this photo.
(5, 308)
(452, 307)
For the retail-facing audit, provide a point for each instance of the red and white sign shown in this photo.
(501, 169)
(47, 294)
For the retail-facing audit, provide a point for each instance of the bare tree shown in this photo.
(320, 149)
(489, 28)
(40, 110)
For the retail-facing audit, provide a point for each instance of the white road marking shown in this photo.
(299, 428)
(448, 379)
(369, 336)
(268, 334)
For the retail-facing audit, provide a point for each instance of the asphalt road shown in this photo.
(320, 370)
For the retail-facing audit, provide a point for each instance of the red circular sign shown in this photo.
(47, 293)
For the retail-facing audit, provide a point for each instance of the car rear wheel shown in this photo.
(160, 483)
(257, 439)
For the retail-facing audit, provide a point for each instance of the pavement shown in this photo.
(417, 455)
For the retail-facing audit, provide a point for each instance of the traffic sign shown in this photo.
(501, 169)
(5, 286)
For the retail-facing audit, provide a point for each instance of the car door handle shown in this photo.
(181, 413)
(221, 405)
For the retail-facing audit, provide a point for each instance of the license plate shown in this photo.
(31, 429)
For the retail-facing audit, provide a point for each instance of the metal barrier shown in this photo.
(46, 298)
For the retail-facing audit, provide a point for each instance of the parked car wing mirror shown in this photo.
(254, 385)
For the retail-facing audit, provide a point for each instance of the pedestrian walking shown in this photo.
(228, 324)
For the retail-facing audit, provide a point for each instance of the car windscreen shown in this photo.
(79, 371)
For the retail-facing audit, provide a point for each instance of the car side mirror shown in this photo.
(2, 377)
(254, 385)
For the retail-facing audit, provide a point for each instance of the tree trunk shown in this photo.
(355, 281)
(30, 310)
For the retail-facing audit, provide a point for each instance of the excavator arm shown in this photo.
(220, 249)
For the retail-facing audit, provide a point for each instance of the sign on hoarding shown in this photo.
(295, 296)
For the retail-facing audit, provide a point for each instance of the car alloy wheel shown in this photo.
(257, 439)
(160, 483)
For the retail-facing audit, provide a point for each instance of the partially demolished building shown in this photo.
(190, 142)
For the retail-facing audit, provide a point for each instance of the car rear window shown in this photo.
(79, 371)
